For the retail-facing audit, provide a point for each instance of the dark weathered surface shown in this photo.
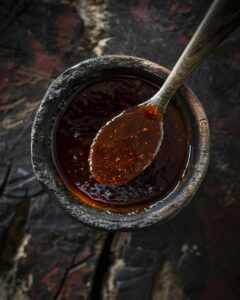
(44, 254)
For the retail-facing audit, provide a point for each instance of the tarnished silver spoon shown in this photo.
(129, 142)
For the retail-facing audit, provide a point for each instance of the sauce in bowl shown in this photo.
(89, 108)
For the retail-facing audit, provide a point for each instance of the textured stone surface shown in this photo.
(44, 254)
(200, 245)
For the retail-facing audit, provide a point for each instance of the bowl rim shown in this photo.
(104, 219)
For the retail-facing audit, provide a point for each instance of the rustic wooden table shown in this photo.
(44, 253)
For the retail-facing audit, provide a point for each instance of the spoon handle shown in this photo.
(221, 19)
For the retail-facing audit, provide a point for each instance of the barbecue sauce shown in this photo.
(91, 107)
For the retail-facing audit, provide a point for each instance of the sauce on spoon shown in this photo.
(123, 147)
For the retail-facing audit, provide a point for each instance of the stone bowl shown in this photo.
(42, 156)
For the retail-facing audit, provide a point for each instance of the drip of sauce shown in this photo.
(125, 144)
(88, 109)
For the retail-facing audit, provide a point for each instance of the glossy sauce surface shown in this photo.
(88, 110)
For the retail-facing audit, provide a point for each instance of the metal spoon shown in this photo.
(129, 142)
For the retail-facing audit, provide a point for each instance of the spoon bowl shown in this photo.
(127, 144)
